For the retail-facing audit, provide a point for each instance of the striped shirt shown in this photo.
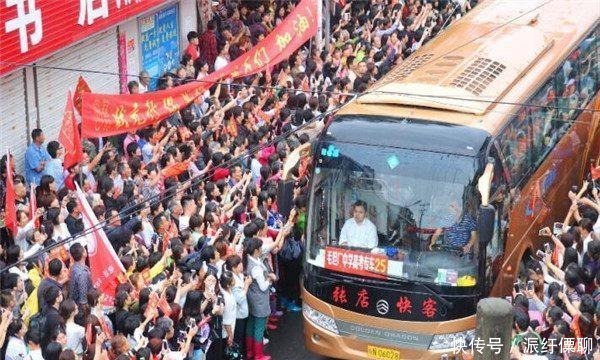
(459, 234)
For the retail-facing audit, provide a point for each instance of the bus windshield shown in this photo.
(395, 213)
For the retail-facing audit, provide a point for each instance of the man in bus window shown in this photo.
(462, 234)
(358, 231)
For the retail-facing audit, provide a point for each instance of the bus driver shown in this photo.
(358, 231)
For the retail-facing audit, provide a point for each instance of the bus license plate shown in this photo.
(380, 353)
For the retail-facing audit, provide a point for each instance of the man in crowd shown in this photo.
(36, 157)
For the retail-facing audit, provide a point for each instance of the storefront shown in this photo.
(103, 41)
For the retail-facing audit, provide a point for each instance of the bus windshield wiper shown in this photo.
(439, 297)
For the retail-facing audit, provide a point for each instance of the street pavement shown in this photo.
(287, 342)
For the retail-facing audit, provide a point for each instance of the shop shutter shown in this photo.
(97, 53)
(13, 119)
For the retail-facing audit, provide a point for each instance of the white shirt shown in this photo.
(142, 88)
(35, 355)
(362, 235)
(229, 311)
(15, 349)
(184, 222)
(220, 62)
(258, 274)
(75, 335)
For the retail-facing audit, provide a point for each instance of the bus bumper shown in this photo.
(327, 344)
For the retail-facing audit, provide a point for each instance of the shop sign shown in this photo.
(33, 29)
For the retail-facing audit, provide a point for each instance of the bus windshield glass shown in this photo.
(394, 213)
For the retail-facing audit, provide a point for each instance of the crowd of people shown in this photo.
(557, 299)
(190, 205)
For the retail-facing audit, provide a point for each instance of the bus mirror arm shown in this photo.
(485, 220)
(484, 184)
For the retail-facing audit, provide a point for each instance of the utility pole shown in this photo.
(494, 321)
(327, 20)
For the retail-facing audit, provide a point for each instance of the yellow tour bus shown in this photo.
(428, 191)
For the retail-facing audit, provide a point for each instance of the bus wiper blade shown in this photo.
(440, 298)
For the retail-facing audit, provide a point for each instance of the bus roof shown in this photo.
(483, 59)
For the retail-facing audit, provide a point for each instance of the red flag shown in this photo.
(69, 136)
(105, 267)
(33, 206)
(10, 209)
(82, 87)
(595, 172)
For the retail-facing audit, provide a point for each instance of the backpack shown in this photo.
(37, 324)
(292, 249)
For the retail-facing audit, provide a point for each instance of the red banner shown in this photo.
(69, 136)
(356, 262)
(33, 29)
(105, 267)
(107, 115)
(33, 206)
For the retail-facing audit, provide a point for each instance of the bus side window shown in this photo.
(516, 146)
(543, 128)
(589, 63)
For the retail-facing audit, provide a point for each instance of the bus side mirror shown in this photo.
(485, 223)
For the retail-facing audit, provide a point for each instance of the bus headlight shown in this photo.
(452, 341)
(319, 319)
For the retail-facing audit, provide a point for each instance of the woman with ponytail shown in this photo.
(258, 298)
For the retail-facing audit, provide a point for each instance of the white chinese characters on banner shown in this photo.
(24, 18)
(127, 2)
(89, 13)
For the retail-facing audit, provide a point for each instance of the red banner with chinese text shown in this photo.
(356, 262)
(107, 115)
(105, 267)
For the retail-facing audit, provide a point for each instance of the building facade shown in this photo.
(45, 45)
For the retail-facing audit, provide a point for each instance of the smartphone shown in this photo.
(541, 232)
(540, 254)
(193, 271)
(547, 248)
(509, 299)
(192, 322)
(347, 16)
(557, 228)
(98, 329)
(530, 285)
(517, 287)
(181, 336)
(165, 345)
